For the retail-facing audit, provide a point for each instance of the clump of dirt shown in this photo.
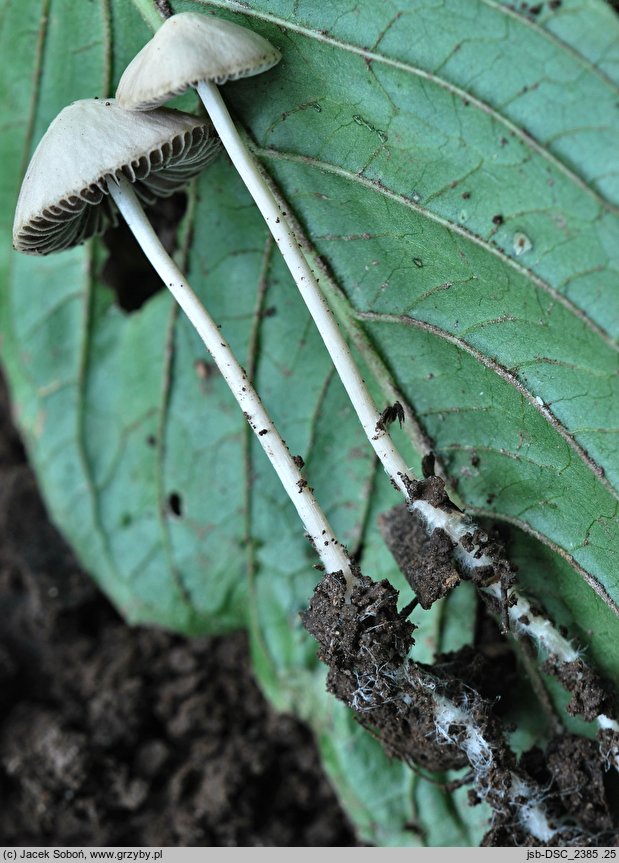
(431, 489)
(429, 562)
(426, 561)
(119, 736)
(590, 695)
(575, 766)
(428, 565)
(365, 642)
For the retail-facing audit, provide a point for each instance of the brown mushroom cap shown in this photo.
(64, 197)
(188, 48)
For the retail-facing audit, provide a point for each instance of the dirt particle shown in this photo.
(498, 220)
(390, 414)
(428, 464)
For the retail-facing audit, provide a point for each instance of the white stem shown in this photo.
(307, 284)
(526, 622)
(331, 553)
(455, 525)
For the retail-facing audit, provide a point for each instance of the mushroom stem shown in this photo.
(332, 554)
(307, 284)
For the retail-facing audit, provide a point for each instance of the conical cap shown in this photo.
(64, 197)
(187, 48)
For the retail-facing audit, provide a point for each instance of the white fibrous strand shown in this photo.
(520, 795)
(609, 739)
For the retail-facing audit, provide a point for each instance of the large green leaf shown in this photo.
(453, 165)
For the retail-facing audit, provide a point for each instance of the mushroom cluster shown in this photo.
(149, 152)
(109, 158)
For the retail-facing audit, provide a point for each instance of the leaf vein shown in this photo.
(507, 376)
(409, 68)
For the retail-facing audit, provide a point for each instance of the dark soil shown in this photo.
(442, 716)
(426, 562)
(118, 736)
(590, 696)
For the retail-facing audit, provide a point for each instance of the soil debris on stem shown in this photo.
(427, 563)
(431, 716)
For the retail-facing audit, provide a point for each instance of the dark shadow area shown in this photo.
(127, 271)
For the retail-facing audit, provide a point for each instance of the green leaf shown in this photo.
(454, 168)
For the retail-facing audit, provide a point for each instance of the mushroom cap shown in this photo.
(187, 48)
(64, 197)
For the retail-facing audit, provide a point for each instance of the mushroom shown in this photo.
(65, 195)
(195, 50)
(95, 151)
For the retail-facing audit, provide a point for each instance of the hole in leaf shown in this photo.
(127, 270)
(175, 503)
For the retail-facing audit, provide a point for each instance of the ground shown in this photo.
(111, 735)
